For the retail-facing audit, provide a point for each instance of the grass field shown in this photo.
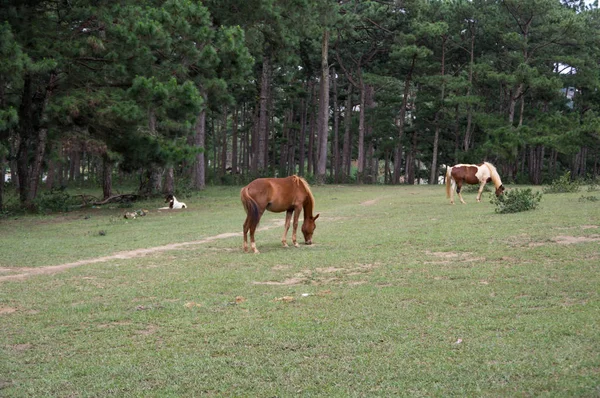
(401, 295)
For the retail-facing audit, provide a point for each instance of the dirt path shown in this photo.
(24, 273)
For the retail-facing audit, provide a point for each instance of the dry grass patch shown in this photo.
(320, 276)
(569, 240)
(7, 310)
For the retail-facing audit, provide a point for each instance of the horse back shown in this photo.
(276, 194)
(466, 173)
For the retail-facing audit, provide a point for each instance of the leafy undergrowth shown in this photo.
(516, 200)
(563, 184)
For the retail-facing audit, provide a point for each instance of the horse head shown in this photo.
(500, 190)
(308, 228)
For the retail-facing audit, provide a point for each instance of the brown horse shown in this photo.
(291, 194)
(480, 174)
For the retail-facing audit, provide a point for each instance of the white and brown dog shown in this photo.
(173, 203)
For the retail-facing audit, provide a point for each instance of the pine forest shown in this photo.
(178, 94)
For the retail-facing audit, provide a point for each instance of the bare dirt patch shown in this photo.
(23, 273)
(286, 282)
(281, 267)
(7, 310)
(321, 276)
(22, 347)
(369, 202)
(569, 240)
(450, 257)
(329, 270)
(151, 329)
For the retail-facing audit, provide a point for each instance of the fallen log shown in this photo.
(126, 197)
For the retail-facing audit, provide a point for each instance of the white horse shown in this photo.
(173, 203)
(471, 174)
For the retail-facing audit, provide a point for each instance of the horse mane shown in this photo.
(311, 198)
(494, 174)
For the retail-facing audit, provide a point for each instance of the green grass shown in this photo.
(395, 278)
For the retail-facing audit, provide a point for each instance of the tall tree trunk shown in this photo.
(107, 167)
(291, 169)
(311, 133)
(336, 130)
(154, 173)
(199, 167)
(371, 163)
(2, 179)
(284, 144)
(402, 121)
(302, 139)
(361, 135)
(262, 145)
(224, 144)
(323, 122)
(468, 130)
(396, 178)
(51, 174)
(411, 161)
(245, 167)
(74, 165)
(2, 155)
(234, 142)
(32, 145)
(26, 114)
(347, 149)
(456, 134)
(518, 93)
(169, 186)
(253, 145)
(36, 166)
(386, 167)
(433, 176)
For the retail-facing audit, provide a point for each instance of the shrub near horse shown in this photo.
(472, 174)
(291, 194)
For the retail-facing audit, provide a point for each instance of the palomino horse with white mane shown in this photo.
(291, 194)
(473, 174)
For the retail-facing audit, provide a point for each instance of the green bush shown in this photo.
(590, 198)
(516, 200)
(593, 184)
(54, 200)
(563, 184)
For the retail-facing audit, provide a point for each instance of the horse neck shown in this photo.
(308, 207)
(495, 176)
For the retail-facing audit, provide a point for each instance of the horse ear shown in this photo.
(317, 216)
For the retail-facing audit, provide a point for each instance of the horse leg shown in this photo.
(458, 189)
(452, 188)
(246, 228)
(296, 216)
(481, 186)
(252, 231)
(252, 242)
(288, 217)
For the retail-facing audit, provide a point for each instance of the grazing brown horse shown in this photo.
(480, 174)
(291, 194)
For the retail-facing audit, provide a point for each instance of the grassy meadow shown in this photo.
(402, 294)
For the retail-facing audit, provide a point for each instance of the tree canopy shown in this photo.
(345, 91)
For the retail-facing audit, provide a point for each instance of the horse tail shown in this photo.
(251, 207)
(448, 181)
